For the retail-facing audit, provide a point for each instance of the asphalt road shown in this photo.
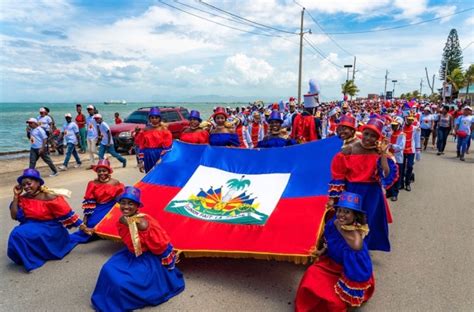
(429, 268)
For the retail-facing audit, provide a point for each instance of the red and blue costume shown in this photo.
(42, 234)
(152, 143)
(195, 137)
(98, 200)
(275, 141)
(341, 278)
(224, 139)
(363, 174)
(128, 281)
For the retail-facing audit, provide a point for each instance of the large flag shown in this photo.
(229, 202)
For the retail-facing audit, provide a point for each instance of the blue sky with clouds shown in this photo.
(62, 50)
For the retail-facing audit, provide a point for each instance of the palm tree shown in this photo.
(456, 78)
(235, 185)
(416, 94)
(403, 96)
(349, 88)
(469, 77)
(409, 96)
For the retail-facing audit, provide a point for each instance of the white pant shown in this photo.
(92, 149)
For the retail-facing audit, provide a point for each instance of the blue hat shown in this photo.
(32, 174)
(350, 201)
(195, 114)
(154, 111)
(131, 193)
(275, 115)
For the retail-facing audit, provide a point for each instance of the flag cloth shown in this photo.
(229, 202)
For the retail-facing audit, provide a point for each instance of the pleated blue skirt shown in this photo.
(34, 242)
(127, 282)
(373, 203)
(150, 157)
(92, 220)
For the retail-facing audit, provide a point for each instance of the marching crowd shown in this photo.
(381, 141)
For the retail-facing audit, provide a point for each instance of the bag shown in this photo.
(461, 134)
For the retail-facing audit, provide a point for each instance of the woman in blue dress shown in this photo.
(143, 273)
(44, 216)
(341, 277)
(222, 134)
(275, 138)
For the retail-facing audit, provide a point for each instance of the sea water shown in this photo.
(13, 117)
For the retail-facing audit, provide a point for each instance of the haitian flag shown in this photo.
(230, 202)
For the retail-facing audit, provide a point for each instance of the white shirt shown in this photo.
(45, 122)
(70, 130)
(104, 130)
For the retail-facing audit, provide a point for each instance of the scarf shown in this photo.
(132, 227)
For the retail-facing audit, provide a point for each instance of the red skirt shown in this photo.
(317, 290)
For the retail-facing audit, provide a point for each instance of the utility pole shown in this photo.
(354, 70)
(385, 89)
(393, 92)
(421, 87)
(301, 57)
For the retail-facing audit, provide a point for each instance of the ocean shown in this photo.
(14, 115)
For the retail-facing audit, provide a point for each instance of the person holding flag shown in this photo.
(274, 137)
(341, 277)
(193, 133)
(222, 134)
(143, 273)
(364, 168)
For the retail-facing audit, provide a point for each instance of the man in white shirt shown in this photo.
(70, 133)
(38, 149)
(107, 141)
(92, 135)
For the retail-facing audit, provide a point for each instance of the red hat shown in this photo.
(103, 163)
(347, 121)
(220, 111)
(292, 99)
(374, 124)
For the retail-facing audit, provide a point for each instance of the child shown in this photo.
(118, 120)
(143, 273)
(342, 277)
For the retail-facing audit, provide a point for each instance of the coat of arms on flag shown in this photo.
(232, 198)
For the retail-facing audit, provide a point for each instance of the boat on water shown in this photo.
(120, 102)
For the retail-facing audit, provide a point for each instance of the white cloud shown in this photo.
(443, 11)
(183, 71)
(345, 6)
(469, 21)
(410, 8)
(38, 12)
(247, 70)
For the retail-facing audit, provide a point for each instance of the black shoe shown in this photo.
(394, 198)
(438, 153)
(408, 188)
(124, 164)
(458, 154)
(462, 158)
(401, 187)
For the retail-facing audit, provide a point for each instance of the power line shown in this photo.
(223, 25)
(469, 44)
(245, 19)
(321, 53)
(400, 26)
(224, 17)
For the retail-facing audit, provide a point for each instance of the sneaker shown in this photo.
(62, 168)
(77, 165)
(124, 164)
(394, 198)
(462, 158)
(438, 153)
(408, 188)
(54, 174)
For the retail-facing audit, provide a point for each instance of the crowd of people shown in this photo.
(381, 141)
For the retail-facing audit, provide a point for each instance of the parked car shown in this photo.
(175, 117)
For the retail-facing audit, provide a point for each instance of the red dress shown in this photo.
(101, 193)
(304, 128)
(47, 210)
(362, 174)
(152, 143)
(196, 137)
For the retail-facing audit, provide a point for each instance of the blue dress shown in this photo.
(343, 277)
(127, 282)
(224, 139)
(152, 143)
(275, 141)
(42, 234)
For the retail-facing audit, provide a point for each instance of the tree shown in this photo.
(403, 96)
(415, 94)
(452, 54)
(349, 88)
(408, 96)
(456, 78)
(469, 77)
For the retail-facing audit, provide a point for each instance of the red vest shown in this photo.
(394, 138)
(409, 132)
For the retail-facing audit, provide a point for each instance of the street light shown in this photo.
(393, 92)
(347, 66)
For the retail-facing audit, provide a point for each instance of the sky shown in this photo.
(144, 51)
